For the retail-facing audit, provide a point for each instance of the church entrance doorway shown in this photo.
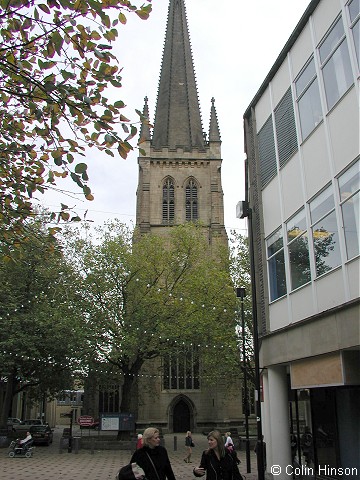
(181, 417)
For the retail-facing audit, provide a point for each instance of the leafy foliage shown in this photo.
(55, 67)
(39, 308)
(240, 273)
(148, 296)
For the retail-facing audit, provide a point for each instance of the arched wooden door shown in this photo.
(181, 417)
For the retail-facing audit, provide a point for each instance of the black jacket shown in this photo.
(188, 441)
(160, 460)
(223, 469)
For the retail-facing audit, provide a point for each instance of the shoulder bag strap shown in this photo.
(152, 463)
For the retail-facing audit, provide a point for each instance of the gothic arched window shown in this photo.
(191, 201)
(168, 204)
(182, 370)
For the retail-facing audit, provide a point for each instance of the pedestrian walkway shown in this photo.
(48, 464)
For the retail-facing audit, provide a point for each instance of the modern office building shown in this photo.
(302, 190)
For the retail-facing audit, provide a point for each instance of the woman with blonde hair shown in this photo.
(216, 462)
(153, 457)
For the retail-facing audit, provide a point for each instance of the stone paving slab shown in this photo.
(48, 464)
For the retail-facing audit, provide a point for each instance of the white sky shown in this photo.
(234, 45)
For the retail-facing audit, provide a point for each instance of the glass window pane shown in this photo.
(356, 36)
(326, 244)
(349, 182)
(351, 218)
(274, 243)
(322, 204)
(299, 262)
(296, 226)
(173, 374)
(310, 109)
(304, 78)
(277, 278)
(337, 75)
(331, 40)
(181, 374)
(354, 9)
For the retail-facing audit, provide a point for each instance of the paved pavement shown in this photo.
(48, 464)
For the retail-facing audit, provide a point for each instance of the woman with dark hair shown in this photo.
(152, 457)
(216, 462)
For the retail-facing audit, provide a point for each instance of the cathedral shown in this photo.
(180, 181)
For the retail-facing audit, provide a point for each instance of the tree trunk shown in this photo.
(6, 405)
(130, 395)
(129, 402)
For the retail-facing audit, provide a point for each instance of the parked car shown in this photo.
(13, 421)
(25, 425)
(41, 434)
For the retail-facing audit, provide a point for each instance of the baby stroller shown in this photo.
(21, 449)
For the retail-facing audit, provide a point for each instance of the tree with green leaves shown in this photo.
(150, 296)
(56, 67)
(39, 308)
(240, 273)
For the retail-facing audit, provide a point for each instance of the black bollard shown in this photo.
(92, 446)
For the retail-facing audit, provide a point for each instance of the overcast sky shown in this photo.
(234, 45)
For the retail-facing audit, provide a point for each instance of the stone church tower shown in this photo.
(180, 181)
(180, 173)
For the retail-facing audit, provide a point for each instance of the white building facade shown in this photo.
(302, 146)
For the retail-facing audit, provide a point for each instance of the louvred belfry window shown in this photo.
(191, 201)
(168, 205)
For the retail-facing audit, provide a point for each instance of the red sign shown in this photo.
(85, 421)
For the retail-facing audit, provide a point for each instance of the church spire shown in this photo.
(145, 129)
(177, 118)
(214, 130)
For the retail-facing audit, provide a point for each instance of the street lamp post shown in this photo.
(243, 210)
(241, 293)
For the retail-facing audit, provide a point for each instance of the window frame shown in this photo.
(270, 258)
(329, 59)
(191, 200)
(290, 242)
(326, 214)
(181, 370)
(302, 94)
(354, 22)
(168, 201)
(345, 202)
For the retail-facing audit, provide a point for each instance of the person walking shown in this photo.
(229, 445)
(188, 445)
(139, 442)
(152, 457)
(306, 442)
(216, 462)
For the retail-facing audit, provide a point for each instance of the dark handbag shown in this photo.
(192, 444)
(132, 471)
